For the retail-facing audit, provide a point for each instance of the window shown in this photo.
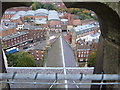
(37, 58)
(81, 59)
(36, 51)
(81, 55)
(84, 55)
(87, 51)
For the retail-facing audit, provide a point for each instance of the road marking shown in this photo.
(63, 59)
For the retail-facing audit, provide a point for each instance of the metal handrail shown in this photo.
(41, 83)
(81, 68)
(39, 76)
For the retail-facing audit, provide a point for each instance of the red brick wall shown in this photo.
(7, 32)
(80, 55)
(36, 54)
(7, 16)
(68, 38)
(16, 40)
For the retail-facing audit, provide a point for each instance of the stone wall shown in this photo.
(108, 58)
(108, 54)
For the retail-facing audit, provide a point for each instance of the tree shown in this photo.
(21, 59)
(28, 19)
(12, 60)
(37, 5)
(91, 59)
(25, 60)
(94, 17)
(49, 6)
(4, 46)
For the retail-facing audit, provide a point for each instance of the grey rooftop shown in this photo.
(14, 35)
(57, 57)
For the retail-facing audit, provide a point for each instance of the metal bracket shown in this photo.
(14, 75)
(102, 78)
(81, 74)
(36, 76)
(56, 76)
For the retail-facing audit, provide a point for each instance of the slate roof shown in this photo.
(54, 57)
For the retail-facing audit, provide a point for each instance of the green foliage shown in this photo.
(21, 59)
(91, 59)
(38, 5)
(81, 13)
(12, 60)
(94, 17)
(84, 16)
(28, 19)
(49, 6)
(4, 46)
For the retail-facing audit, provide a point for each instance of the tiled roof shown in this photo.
(77, 22)
(14, 35)
(54, 22)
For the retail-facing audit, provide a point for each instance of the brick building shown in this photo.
(86, 30)
(19, 9)
(7, 30)
(83, 52)
(37, 53)
(36, 33)
(77, 22)
(12, 11)
(18, 39)
(54, 26)
(68, 38)
(8, 14)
